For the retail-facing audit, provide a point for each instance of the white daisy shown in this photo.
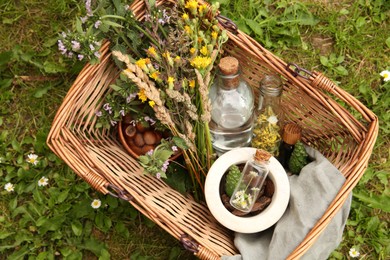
(386, 75)
(32, 158)
(9, 187)
(272, 120)
(353, 252)
(43, 181)
(96, 203)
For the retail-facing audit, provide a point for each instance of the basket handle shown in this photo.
(317, 79)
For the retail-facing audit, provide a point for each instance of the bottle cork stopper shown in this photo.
(228, 65)
(229, 69)
(292, 133)
(262, 155)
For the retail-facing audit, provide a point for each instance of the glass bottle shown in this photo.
(251, 182)
(232, 102)
(269, 117)
(291, 135)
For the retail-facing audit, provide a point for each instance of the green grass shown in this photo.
(347, 40)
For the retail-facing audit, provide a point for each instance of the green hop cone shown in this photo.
(232, 178)
(298, 158)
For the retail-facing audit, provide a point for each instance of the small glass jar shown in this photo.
(251, 182)
(268, 123)
(232, 102)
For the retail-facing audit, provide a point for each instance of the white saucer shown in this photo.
(251, 224)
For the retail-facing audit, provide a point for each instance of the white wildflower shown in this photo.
(9, 187)
(43, 181)
(96, 203)
(386, 75)
(32, 158)
(353, 252)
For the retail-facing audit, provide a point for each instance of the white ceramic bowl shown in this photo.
(251, 224)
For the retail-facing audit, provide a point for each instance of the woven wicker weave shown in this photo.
(309, 100)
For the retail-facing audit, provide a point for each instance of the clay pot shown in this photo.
(139, 139)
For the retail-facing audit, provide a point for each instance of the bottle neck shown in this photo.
(228, 82)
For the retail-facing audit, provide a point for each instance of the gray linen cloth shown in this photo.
(311, 194)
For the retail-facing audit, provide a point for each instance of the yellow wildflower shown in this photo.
(192, 5)
(192, 50)
(152, 52)
(141, 63)
(151, 103)
(204, 50)
(177, 59)
(202, 8)
(170, 81)
(214, 35)
(185, 17)
(200, 63)
(142, 96)
(192, 83)
(155, 75)
(187, 29)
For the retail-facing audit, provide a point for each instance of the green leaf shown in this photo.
(41, 92)
(13, 203)
(77, 227)
(344, 11)
(51, 67)
(121, 228)
(5, 57)
(62, 196)
(93, 245)
(175, 253)
(37, 195)
(388, 42)
(5, 234)
(341, 70)
(255, 27)
(360, 22)
(324, 61)
(374, 201)
(113, 24)
(179, 142)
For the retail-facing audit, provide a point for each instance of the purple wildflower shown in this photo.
(97, 54)
(113, 123)
(88, 7)
(84, 19)
(98, 113)
(165, 166)
(76, 45)
(92, 47)
(122, 112)
(61, 47)
(174, 148)
(150, 152)
(70, 54)
(158, 175)
(80, 56)
(131, 97)
(97, 24)
(107, 106)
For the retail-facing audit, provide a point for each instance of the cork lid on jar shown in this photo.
(292, 133)
(262, 156)
(229, 72)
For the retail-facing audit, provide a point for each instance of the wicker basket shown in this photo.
(309, 99)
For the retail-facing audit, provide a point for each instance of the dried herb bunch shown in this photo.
(166, 62)
(175, 74)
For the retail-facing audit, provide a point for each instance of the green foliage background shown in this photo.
(347, 40)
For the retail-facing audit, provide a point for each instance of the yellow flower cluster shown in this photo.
(200, 62)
